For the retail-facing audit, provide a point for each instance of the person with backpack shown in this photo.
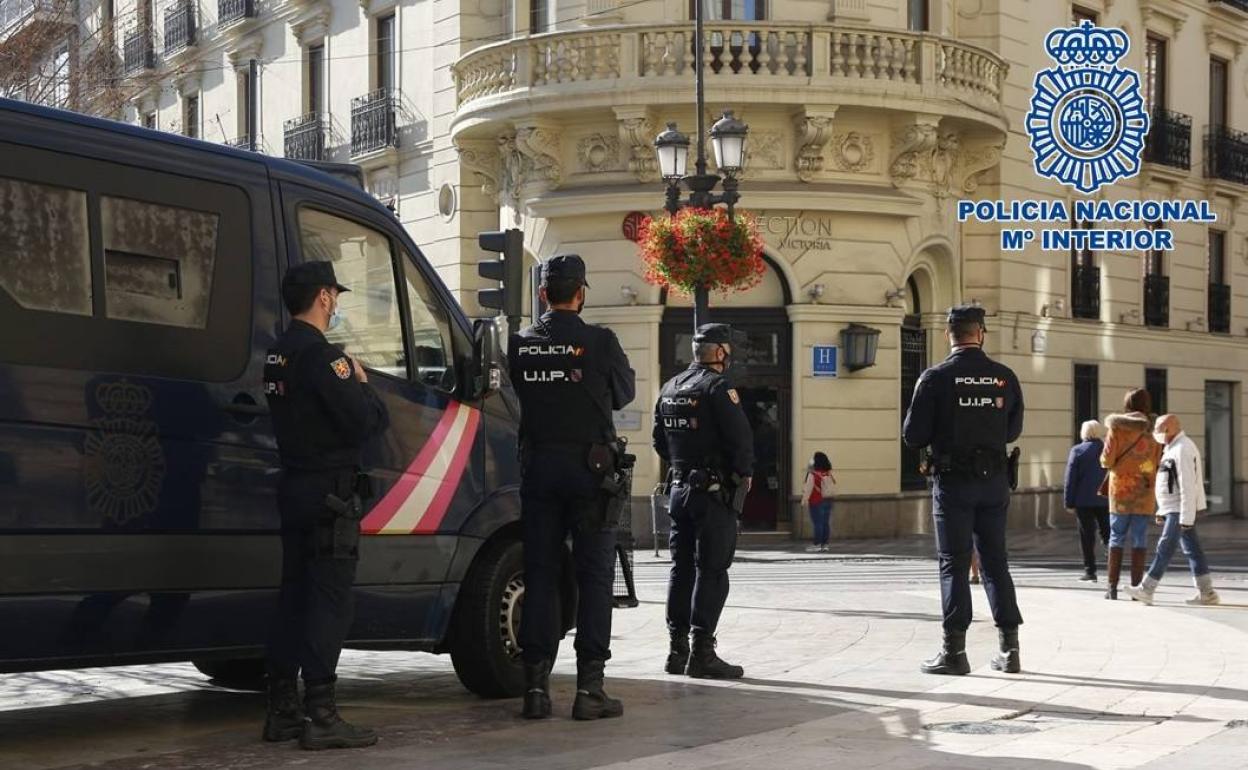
(817, 495)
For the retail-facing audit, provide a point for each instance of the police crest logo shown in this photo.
(732, 395)
(342, 368)
(1087, 120)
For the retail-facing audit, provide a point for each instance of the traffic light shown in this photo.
(508, 271)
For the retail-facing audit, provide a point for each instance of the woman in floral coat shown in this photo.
(1131, 456)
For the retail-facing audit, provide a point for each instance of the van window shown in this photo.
(431, 332)
(158, 262)
(45, 254)
(371, 329)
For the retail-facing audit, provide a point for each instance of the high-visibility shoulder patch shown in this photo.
(732, 394)
(342, 368)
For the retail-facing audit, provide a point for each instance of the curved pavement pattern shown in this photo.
(830, 646)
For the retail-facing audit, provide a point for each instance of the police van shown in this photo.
(139, 291)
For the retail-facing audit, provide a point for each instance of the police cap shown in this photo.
(713, 334)
(564, 267)
(959, 314)
(317, 273)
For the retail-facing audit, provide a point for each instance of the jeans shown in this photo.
(1173, 534)
(971, 514)
(1092, 521)
(1128, 526)
(821, 518)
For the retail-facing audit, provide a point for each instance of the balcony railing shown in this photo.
(244, 142)
(1157, 300)
(230, 11)
(737, 53)
(1085, 292)
(1240, 5)
(304, 137)
(179, 27)
(137, 52)
(1219, 307)
(16, 13)
(1169, 139)
(372, 123)
(1226, 154)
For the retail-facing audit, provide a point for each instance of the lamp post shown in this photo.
(672, 147)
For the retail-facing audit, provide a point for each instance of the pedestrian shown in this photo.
(967, 409)
(1131, 457)
(324, 412)
(703, 434)
(817, 494)
(1083, 479)
(1180, 496)
(569, 376)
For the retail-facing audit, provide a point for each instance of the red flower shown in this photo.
(702, 247)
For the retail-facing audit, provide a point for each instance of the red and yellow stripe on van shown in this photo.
(418, 502)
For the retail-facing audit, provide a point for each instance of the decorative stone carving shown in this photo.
(637, 135)
(970, 9)
(482, 159)
(597, 153)
(814, 128)
(953, 166)
(764, 151)
(312, 24)
(975, 162)
(539, 146)
(852, 152)
(918, 139)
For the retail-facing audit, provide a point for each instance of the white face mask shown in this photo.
(1160, 437)
(335, 316)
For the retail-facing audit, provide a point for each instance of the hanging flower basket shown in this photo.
(702, 247)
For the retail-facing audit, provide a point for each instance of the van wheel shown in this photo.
(485, 634)
(236, 673)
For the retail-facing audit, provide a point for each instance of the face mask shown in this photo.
(1160, 437)
(335, 317)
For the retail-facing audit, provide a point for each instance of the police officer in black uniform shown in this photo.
(702, 432)
(569, 376)
(967, 409)
(323, 413)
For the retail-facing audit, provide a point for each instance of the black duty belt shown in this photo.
(700, 479)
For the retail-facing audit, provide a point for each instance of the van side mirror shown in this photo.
(487, 357)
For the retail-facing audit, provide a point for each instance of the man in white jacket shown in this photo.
(1180, 494)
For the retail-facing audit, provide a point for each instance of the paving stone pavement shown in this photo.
(830, 646)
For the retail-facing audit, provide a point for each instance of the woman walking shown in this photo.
(817, 496)
(1131, 456)
(1084, 475)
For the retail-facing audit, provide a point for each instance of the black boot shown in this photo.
(705, 664)
(537, 690)
(1008, 659)
(592, 702)
(951, 660)
(324, 728)
(285, 719)
(678, 653)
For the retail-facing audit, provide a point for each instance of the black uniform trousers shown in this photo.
(971, 513)
(315, 603)
(558, 493)
(1092, 522)
(703, 541)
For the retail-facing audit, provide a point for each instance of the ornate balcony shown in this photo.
(1239, 5)
(1157, 300)
(232, 11)
(373, 123)
(304, 137)
(762, 62)
(180, 27)
(1226, 154)
(137, 52)
(19, 17)
(1169, 139)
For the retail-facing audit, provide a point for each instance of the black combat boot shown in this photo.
(592, 702)
(705, 664)
(537, 690)
(324, 729)
(678, 653)
(1008, 659)
(951, 660)
(285, 719)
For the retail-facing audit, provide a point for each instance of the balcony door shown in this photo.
(1218, 79)
(1155, 66)
(1085, 281)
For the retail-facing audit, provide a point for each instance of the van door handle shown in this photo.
(245, 407)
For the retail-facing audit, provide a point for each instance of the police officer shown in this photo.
(702, 432)
(967, 409)
(569, 376)
(323, 413)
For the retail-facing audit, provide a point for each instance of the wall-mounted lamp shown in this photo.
(892, 296)
(859, 344)
(629, 294)
(1054, 309)
(1198, 322)
(1133, 314)
(815, 293)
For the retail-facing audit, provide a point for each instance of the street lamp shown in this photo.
(728, 138)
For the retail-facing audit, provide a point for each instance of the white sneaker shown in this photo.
(824, 549)
(1141, 594)
(814, 548)
(1205, 600)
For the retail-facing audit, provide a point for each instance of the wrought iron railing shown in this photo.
(14, 13)
(1219, 307)
(1157, 300)
(1169, 139)
(1085, 292)
(244, 142)
(304, 137)
(230, 11)
(1226, 154)
(179, 26)
(1239, 4)
(372, 122)
(137, 52)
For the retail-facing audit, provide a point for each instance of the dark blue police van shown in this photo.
(139, 276)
